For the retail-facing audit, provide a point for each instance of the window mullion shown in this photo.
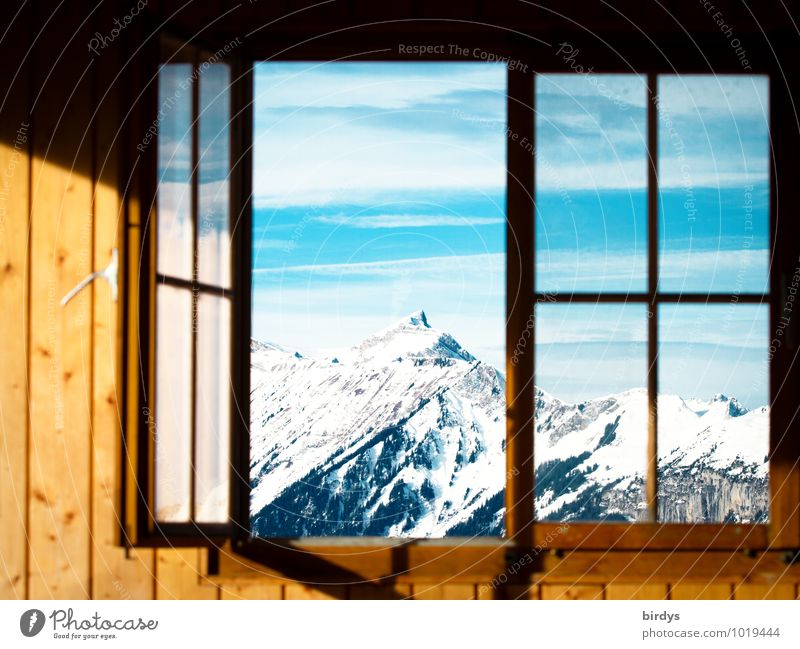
(651, 484)
(195, 277)
(241, 169)
(519, 303)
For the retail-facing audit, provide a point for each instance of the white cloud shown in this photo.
(476, 263)
(623, 89)
(613, 174)
(320, 307)
(729, 96)
(354, 165)
(388, 87)
(614, 270)
(380, 221)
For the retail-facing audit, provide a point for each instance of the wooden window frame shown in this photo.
(141, 278)
(346, 559)
(651, 533)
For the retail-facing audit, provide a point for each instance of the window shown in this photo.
(193, 308)
(603, 298)
(653, 360)
(377, 387)
(187, 404)
(643, 301)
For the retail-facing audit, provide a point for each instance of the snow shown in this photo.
(448, 408)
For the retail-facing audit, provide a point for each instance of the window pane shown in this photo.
(591, 175)
(213, 238)
(213, 416)
(713, 147)
(591, 411)
(175, 170)
(378, 262)
(173, 423)
(713, 413)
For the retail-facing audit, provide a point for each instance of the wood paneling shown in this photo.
(60, 211)
(643, 590)
(522, 592)
(252, 591)
(179, 575)
(15, 134)
(572, 591)
(701, 590)
(666, 567)
(362, 591)
(778, 590)
(60, 338)
(115, 573)
(444, 591)
(305, 591)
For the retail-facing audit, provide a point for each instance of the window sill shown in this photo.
(582, 552)
(403, 564)
(652, 536)
(354, 561)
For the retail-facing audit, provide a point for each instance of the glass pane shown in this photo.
(213, 237)
(591, 412)
(175, 170)
(378, 251)
(591, 177)
(213, 411)
(713, 413)
(173, 424)
(713, 148)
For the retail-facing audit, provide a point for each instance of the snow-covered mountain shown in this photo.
(404, 435)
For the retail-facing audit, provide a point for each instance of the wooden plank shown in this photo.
(701, 590)
(337, 564)
(777, 590)
(60, 338)
(179, 575)
(519, 591)
(116, 574)
(251, 591)
(653, 536)
(632, 567)
(341, 564)
(305, 591)
(365, 591)
(458, 591)
(643, 590)
(15, 134)
(572, 591)
(427, 591)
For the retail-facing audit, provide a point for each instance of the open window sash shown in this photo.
(184, 365)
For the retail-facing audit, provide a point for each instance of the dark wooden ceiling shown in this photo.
(619, 35)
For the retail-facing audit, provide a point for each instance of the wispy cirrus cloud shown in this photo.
(679, 270)
(380, 221)
(386, 86)
(392, 267)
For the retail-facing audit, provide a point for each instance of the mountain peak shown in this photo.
(416, 319)
(729, 405)
(411, 337)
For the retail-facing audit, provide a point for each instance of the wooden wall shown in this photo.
(61, 215)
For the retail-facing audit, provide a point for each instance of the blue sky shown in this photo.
(379, 190)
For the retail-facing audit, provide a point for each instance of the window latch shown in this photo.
(109, 273)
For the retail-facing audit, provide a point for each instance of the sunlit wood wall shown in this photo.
(60, 217)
